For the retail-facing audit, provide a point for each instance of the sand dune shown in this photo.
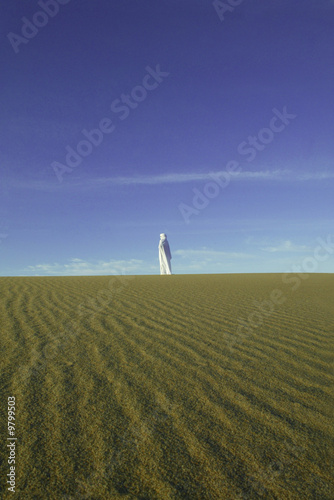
(163, 387)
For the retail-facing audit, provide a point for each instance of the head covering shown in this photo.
(163, 236)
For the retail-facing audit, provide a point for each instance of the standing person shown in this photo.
(164, 255)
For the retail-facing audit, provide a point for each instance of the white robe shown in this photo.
(164, 255)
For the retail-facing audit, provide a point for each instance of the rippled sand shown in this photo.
(147, 387)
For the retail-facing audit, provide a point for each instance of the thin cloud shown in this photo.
(208, 254)
(79, 267)
(178, 178)
(318, 176)
(286, 246)
(207, 260)
(172, 178)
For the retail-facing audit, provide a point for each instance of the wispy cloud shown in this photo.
(182, 178)
(79, 267)
(206, 260)
(316, 176)
(172, 178)
(286, 246)
(210, 255)
(194, 259)
(178, 178)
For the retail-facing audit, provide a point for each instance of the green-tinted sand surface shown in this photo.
(167, 387)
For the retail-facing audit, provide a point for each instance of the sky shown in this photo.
(209, 121)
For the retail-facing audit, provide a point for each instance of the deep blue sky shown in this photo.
(221, 81)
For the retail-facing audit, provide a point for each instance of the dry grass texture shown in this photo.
(141, 387)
